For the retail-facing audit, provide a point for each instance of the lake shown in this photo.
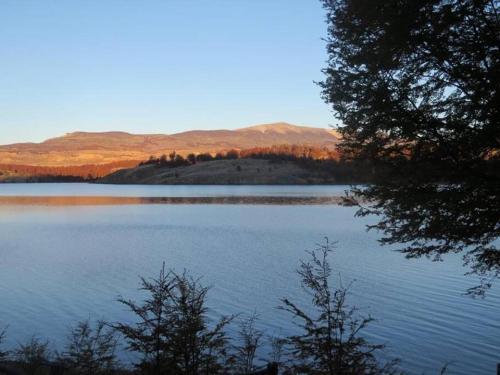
(67, 251)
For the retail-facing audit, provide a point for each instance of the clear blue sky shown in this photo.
(147, 66)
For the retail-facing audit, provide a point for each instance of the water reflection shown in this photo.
(111, 201)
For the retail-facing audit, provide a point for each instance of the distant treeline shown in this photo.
(321, 160)
(276, 152)
(62, 173)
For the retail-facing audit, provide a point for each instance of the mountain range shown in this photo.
(80, 148)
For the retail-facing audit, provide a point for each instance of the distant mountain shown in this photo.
(99, 148)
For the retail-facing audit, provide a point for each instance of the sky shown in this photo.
(147, 66)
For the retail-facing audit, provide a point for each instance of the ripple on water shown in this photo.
(62, 264)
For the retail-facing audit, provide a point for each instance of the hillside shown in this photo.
(100, 148)
(219, 172)
(18, 173)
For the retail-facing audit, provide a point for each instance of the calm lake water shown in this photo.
(70, 260)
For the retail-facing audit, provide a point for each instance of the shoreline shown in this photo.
(118, 201)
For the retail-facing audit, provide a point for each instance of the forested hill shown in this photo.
(260, 166)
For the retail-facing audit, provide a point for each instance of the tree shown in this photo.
(232, 154)
(163, 160)
(91, 350)
(200, 349)
(3, 354)
(191, 158)
(206, 156)
(179, 161)
(277, 350)
(172, 332)
(150, 336)
(219, 156)
(33, 355)
(416, 86)
(250, 339)
(331, 341)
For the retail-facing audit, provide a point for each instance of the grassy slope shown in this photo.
(250, 171)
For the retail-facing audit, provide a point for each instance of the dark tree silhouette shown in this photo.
(277, 353)
(249, 340)
(33, 355)
(150, 336)
(201, 349)
(179, 161)
(416, 85)
(91, 350)
(232, 154)
(172, 333)
(331, 341)
(3, 354)
(163, 160)
(204, 157)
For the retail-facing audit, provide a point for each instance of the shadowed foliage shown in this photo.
(330, 341)
(415, 84)
(249, 340)
(172, 332)
(3, 354)
(91, 350)
(33, 355)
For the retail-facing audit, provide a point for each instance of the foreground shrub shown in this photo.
(249, 340)
(91, 350)
(3, 354)
(33, 356)
(172, 333)
(330, 342)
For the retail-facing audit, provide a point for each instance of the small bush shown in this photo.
(3, 354)
(91, 350)
(172, 333)
(33, 355)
